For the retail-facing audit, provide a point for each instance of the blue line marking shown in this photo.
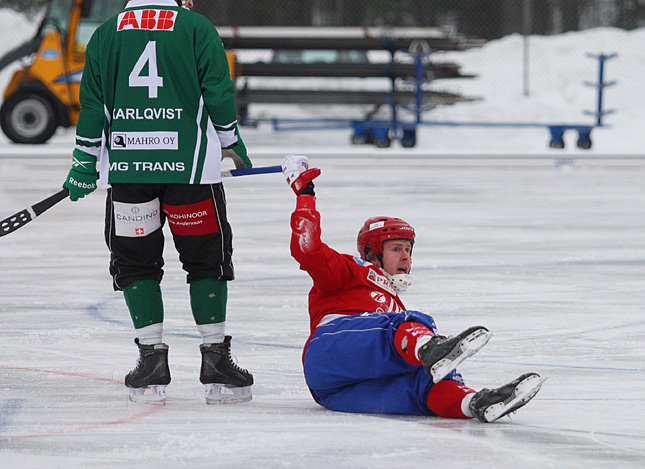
(8, 410)
(96, 311)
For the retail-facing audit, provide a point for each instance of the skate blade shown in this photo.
(222, 394)
(524, 392)
(155, 395)
(469, 346)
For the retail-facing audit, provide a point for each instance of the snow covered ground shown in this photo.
(545, 247)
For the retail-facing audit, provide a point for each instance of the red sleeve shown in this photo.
(326, 267)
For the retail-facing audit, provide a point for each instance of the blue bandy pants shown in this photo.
(351, 365)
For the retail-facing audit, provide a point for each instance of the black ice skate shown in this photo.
(225, 382)
(489, 405)
(148, 381)
(443, 354)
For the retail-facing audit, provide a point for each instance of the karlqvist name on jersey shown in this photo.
(147, 114)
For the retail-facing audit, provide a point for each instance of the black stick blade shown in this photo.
(11, 224)
(20, 219)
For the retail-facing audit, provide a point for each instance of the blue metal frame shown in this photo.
(382, 132)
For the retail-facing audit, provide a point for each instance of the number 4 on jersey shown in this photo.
(152, 80)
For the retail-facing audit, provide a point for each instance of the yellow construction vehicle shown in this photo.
(43, 94)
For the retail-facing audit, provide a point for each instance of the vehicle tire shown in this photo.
(27, 117)
(383, 142)
(584, 143)
(559, 144)
(356, 140)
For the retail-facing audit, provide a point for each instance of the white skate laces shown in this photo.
(400, 282)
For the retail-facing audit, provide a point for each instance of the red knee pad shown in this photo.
(405, 340)
(445, 397)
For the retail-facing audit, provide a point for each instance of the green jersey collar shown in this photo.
(147, 3)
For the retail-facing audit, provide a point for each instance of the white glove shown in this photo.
(297, 173)
(293, 166)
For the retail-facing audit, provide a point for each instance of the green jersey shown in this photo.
(157, 100)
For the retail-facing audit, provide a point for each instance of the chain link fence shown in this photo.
(485, 19)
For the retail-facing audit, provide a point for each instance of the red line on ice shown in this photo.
(149, 411)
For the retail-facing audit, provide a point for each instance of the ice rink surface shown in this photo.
(548, 253)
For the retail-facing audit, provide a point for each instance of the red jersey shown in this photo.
(343, 284)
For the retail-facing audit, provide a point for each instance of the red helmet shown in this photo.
(376, 231)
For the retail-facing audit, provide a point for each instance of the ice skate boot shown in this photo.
(489, 405)
(225, 382)
(148, 381)
(443, 354)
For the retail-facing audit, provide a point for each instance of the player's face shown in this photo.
(397, 256)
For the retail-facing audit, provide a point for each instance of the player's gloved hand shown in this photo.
(237, 152)
(297, 173)
(82, 178)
